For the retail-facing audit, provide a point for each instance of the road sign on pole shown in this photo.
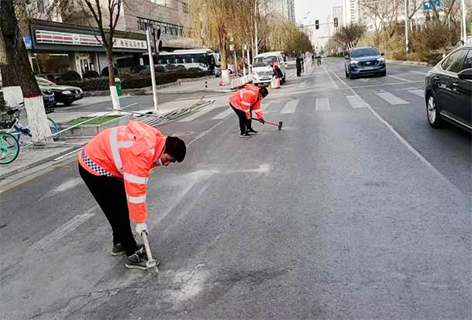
(428, 4)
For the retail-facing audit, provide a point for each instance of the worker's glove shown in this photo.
(262, 120)
(141, 227)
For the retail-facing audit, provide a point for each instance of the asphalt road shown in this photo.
(356, 210)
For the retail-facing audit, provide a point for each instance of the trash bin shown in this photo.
(118, 87)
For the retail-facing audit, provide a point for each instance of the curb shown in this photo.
(37, 163)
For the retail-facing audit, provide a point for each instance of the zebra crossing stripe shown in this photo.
(290, 107)
(197, 114)
(399, 78)
(322, 104)
(417, 92)
(356, 102)
(223, 114)
(390, 98)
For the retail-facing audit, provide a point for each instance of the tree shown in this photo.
(348, 36)
(17, 75)
(101, 16)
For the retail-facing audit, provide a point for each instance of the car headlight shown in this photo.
(66, 92)
(80, 90)
(353, 63)
(381, 60)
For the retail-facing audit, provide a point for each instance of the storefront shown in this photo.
(59, 47)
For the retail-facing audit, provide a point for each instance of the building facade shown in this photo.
(285, 8)
(58, 42)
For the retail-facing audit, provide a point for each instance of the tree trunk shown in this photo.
(224, 60)
(16, 72)
(111, 79)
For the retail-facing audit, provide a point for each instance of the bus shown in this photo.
(203, 59)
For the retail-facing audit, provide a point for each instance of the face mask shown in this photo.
(159, 162)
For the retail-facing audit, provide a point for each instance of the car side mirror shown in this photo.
(465, 74)
(382, 54)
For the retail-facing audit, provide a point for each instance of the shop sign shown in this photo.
(65, 38)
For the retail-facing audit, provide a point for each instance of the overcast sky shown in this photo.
(319, 9)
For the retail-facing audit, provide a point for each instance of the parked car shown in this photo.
(364, 61)
(448, 90)
(63, 94)
(262, 67)
(48, 98)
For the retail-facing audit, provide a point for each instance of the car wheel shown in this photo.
(345, 72)
(383, 74)
(351, 76)
(434, 118)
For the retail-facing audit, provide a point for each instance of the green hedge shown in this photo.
(135, 81)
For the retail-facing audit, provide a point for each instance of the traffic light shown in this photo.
(317, 24)
(335, 22)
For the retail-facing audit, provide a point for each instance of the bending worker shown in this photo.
(115, 166)
(243, 102)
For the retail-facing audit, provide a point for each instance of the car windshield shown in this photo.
(44, 82)
(364, 52)
(264, 61)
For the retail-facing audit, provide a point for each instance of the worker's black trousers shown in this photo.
(244, 123)
(111, 197)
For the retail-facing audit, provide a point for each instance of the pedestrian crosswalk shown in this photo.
(321, 104)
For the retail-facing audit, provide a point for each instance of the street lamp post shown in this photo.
(406, 26)
(464, 27)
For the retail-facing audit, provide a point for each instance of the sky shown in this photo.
(319, 10)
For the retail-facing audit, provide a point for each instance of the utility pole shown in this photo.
(151, 68)
(406, 25)
(255, 28)
(464, 27)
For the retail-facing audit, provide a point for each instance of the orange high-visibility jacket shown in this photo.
(127, 152)
(247, 99)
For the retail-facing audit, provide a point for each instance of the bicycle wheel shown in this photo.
(54, 128)
(9, 148)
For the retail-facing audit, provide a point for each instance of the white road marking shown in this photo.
(398, 78)
(417, 92)
(322, 104)
(62, 231)
(390, 98)
(418, 72)
(303, 84)
(223, 114)
(364, 79)
(290, 107)
(357, 102)
(332, 81)
(198, 114)
(438, 174)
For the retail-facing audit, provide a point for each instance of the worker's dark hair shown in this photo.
(264, 92)
(176, 148)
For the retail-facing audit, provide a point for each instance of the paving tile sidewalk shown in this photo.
(32, 156)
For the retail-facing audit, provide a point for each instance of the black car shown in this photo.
(48, 98)
(448, 90)
(63, 94)
(365, 61)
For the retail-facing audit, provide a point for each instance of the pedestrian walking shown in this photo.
(115, 165)
(299, 66)
(243, 102)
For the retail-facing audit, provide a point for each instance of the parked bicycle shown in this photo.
(11, 133)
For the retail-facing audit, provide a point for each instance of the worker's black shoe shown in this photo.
(117, 249)
(137, 260)
(244, 135)
(251, 131)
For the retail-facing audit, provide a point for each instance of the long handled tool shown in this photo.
(278, 125)
(151, 263)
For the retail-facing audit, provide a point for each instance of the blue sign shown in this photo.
(428, 5)
(28, 42)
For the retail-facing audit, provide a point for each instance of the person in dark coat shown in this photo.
(299, 66)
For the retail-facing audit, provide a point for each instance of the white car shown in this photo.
(262, 67)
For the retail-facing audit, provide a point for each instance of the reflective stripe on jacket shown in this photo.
(127, 152)
(247, 99)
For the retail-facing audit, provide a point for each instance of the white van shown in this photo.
(262, 67)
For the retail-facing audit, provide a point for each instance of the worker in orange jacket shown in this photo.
(115, 165)
(243, 102)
